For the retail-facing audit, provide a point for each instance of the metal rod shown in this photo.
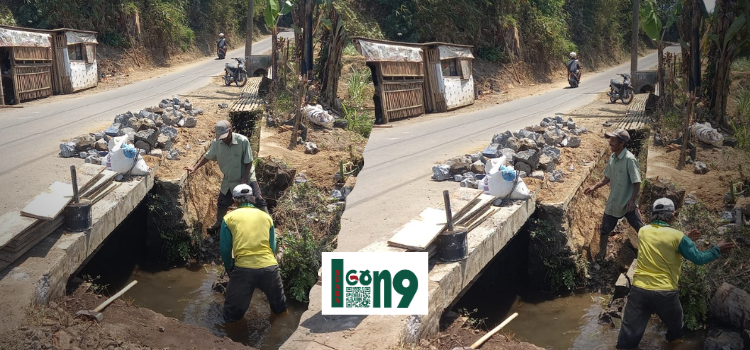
(448, 215)
(75, 182)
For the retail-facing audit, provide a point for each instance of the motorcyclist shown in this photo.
(574, 66)
(221, 46)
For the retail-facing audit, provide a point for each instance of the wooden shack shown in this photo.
(411, 79)
(25, 65)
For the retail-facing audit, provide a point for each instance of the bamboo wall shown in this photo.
(401, 87)
(31, 71)
(434, 98)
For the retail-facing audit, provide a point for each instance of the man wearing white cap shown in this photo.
(657, 274)
(248, 234)
(623, 175)
(235, 158)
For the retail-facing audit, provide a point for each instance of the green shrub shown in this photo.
(493, 54)
(361, 123)
(357, 83)
(694, 294)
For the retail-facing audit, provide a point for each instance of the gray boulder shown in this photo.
(508, 153)
(163, 142)
(553, 152)
(502, 139)
(459, 165)
(85, 142)
(187, 105)
(441, 172)
(571, 141)
(522, 167)
(113, 130)
(140, 144)
(512, 143)
(731, 305)
(94, 159)
(530, 157)
(121, 119)
(700, 168)
(132, 122)
(148, 136)
(539, 175)
(144, 114)
(559, 119)
(720, 339)
(144, 124)
(526, 144)
(525, 134)
(68, 149)
(492, 151)
(190, 122)
(477, 167)
(101, 145)
(169, 131)
(129, 132)
(554, 137)
(546, 163)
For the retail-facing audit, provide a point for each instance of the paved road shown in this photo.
(395, 184)
(30, 136)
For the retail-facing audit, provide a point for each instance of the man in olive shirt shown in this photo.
(235, 158)
(657, 275)
(624, 178)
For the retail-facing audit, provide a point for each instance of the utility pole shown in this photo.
(634, 39)
(249, 34)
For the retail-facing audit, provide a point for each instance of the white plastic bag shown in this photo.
(124, 162)
(317, 115)
(498, 186)
(706, 134)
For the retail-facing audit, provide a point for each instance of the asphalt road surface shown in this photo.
(30, 136)
(395, 184)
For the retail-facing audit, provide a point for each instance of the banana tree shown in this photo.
(728, 39)
(271, 15)
(655, 30)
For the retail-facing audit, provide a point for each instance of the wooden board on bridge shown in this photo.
(249, 99)
(635, 118)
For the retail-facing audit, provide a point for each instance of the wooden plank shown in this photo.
(87, 173)
(98, 182)
(419, 233)
(7, 257)
(48, 204)
(13, 224)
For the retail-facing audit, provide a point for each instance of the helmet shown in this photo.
(572, 55)
(221, 35)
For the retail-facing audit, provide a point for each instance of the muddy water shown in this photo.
(572, 323)
(186, 295)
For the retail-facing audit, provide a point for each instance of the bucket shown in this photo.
(452, 245)
(78, 216)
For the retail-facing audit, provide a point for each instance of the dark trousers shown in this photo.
(242, 284)
(641, 305)
(608, 224)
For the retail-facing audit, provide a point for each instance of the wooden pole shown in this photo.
(483, 339)
(686, 131)
(110, 300)
(298, 113)
(634, 38)
(249, 31)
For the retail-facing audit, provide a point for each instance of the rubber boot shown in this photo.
(220, 212)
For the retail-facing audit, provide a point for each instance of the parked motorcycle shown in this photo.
(621, 90)
(235, 74)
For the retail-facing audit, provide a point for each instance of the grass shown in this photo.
(741, 123)
(356, 83)
(358, 121)
(350, 50)
(741, 65)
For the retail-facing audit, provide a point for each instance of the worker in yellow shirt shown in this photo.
(248, 234)
(657, 275)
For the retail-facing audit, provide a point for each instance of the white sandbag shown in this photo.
(503, 182)
(706, 134)
(317, 115)
(124, 159)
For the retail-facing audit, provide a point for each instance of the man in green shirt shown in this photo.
(657, 275)
(624, 178)
(235, 158)
(247, 245)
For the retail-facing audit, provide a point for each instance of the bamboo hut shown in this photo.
(25, 65)
(411, 79)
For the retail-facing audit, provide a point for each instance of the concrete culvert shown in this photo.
(646, 88)
(260, 73)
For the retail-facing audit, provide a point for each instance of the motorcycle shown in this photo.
(221, 52)
(621, 90)
(235, 74)
(574, 78)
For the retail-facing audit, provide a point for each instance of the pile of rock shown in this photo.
(531, 151)
(152, 130)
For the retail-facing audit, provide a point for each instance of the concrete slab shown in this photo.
(41, 274)
(447, 281)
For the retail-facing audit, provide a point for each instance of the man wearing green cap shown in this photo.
(235, 158)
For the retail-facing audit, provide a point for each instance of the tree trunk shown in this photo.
(331, 70)
(686, 131)
(721, 60)
(660, 68)
(695, 69)
(684, 26)
(297, 112)
(249, 31)
(274, 54)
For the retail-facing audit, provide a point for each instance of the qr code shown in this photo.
(358, 297)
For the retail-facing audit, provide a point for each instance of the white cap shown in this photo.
(221, 34)
(573, 55)
(242, 191)
(663, 204)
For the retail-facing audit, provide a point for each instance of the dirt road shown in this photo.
(30, 136)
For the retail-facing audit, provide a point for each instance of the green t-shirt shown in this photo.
(232, 160)
(622, 171)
